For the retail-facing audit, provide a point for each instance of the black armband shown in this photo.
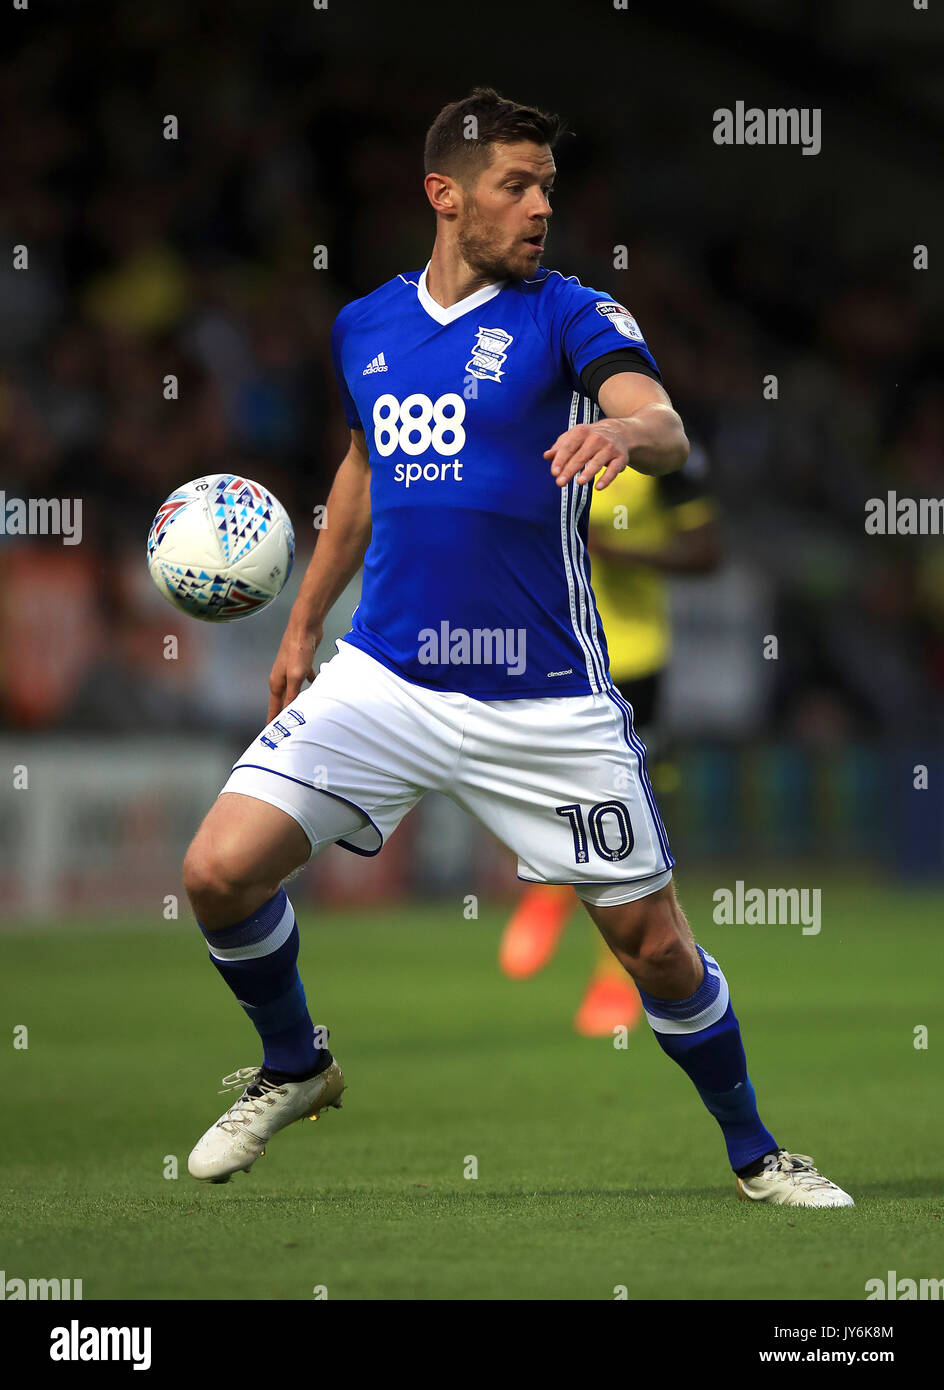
(602, 368)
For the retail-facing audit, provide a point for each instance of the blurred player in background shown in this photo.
(642, 530)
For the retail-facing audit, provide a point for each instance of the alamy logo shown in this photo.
(892, 515)
(488, 353)
(55, 1290)
(480, 646)
(776, 126)
(42, 516)
(77, 1343)
(755, 907)
(376, 364)
(903, 1290)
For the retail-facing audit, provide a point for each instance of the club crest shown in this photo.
(488, 353)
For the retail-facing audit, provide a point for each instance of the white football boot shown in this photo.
(792, 1181)
(239, 1137)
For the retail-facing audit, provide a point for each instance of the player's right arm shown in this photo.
(338, 555)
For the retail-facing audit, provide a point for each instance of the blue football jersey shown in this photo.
(476, 578)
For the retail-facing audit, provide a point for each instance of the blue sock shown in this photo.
(258, 960)
(701, 1033)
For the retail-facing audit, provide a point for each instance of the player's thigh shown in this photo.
(347, 759)
(244, 841)
(563, 783)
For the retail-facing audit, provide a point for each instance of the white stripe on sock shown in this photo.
(699, 1021)
(265, 947)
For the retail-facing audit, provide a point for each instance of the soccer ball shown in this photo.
(220, 548)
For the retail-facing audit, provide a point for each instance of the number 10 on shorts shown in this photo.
(601, 831)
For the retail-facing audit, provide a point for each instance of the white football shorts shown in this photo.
(561, 781)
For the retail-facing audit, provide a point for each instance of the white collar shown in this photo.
(463, 306)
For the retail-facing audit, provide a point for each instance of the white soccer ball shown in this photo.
(221, 547)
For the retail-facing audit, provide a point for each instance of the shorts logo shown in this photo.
(488, 353)
(621, 319)
(274, 734)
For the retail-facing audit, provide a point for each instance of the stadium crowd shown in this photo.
(195, 257)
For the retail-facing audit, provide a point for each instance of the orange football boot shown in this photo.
(611, 1001)
(531, 936)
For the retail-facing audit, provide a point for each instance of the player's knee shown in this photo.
(649, 933)
(634, 928)
(662, 950)
(212, 877)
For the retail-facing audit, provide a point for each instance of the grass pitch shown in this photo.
(597, 1167)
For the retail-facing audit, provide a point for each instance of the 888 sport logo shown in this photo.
(417, 425)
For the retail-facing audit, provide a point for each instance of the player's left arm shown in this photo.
(640, 430)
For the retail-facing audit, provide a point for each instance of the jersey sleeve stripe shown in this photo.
(566, 502)
(574, 500)
(591, 413)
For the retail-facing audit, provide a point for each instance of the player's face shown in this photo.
(503, 221)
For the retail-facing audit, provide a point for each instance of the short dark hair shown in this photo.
(450, 149)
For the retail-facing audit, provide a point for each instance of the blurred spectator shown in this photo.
(192, 259)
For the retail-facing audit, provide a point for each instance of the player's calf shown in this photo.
(653, 942)
(232, 875)
(688, 1005)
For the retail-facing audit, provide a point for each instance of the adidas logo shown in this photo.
(376, 364)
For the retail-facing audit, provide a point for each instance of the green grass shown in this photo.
(596, 1167)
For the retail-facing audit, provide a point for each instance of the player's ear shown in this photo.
(441, 191)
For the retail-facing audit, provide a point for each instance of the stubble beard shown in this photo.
(480, 249)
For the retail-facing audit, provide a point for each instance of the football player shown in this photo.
(487, 397)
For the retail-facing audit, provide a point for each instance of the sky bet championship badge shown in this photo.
(621, 319)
